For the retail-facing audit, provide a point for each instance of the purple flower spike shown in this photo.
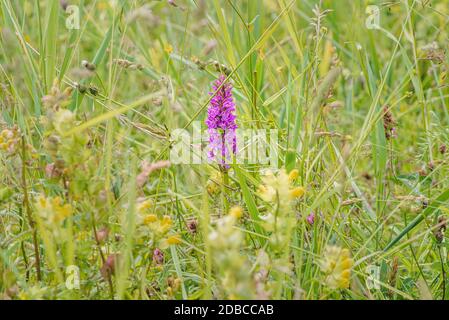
(221, 123)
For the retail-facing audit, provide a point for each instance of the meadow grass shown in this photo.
(355, 209)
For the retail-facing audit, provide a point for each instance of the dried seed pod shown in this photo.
(425, 204)
(201, 64)
(80, 87)
(422, 172)
(219, 67)
(393, 274)
(439, 236)
(441, 228)
(93, 90)
(126, 64)
(89, 66)
(389, 123)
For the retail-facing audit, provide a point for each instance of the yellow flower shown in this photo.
(297, 192)
(337, 264)
(166, 223)
(168, 48)
(169, 291)
(42, 201)
(150, 219)
(52, 213)
(157, 228)
(236, 212)
(144, 205)
(293, 175)
(172, 240)
(62, 212)
(278, 188)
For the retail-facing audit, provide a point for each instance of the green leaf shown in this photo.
(249, 200)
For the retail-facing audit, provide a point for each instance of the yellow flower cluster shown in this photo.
(157, 224)
(52, 210)
(278, 188)
(159, 227)
(226, 236)
(226, 242)
(337, 264)
(9, 139)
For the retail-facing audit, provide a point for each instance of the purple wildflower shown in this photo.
(311, 218)
(221, 122)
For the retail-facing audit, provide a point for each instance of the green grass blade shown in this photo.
(434, 206)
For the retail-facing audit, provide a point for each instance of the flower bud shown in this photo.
(102, 234)
(192, 226)
(109, 266)
(158, 257)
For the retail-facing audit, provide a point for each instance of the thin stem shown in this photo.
(224, 191)
(103, 260)
(26, 205)
(443, 273)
